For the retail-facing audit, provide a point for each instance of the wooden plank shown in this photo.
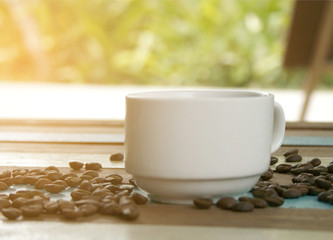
(81, 148)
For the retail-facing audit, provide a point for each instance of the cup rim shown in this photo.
(199, 95)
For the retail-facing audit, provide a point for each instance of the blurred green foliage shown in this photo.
(232, 43)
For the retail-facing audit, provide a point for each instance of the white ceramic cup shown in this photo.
(180, 145)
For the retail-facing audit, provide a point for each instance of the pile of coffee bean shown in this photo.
(90, 193)
(309, 178)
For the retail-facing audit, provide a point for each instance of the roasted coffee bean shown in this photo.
(79, 194)
(226, 202)
(86, 185)
(298, 170)
(291, 152)
(129, 212)
(75, 165)
(323, 169)
(3, 186)
(257, 202)
(274, 160)
(139, 199)
(5, 174)
(31, 210)
(5, 203)
(73, 181)
(63, 204)
(110, 208)
(261, 192)
(291, 193)
(266, 176)
(322, 197)
(50, 207)
(315, 162)
(86, 177)
(54, 188)
(274, 201)
(18, 179)
(117, 157)
(314, 171)
(31, 180)
(54, 175)
(322, 183)
(294, 158)
(61, 182)
(93, 166)
(330, 168)
(279, 190)
(88, 209)
(52, 168)
(91, 173)
(114, 178)
(97, 203)
(303, 178)
(11, 213)
(72, 214)
(203, 203)
(303, 188)
(66, 175)
(42, 182)
(329, 177)
(314, 191)
(283, 168)
(243, 206)
(19, 202)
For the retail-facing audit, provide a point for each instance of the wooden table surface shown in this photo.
(41, 143)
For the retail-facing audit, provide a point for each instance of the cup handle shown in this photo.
(279, 126)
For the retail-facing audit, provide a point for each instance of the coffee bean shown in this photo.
(11, 213)
(203, 203)
(54, 188)
(291, 193)
(54, 175)
(290, 152)
(114, 178)
(117, 157)
(294, 158)
(40, 183)
(73, 181)
(93, 166)
(322, 183)
(3, 186)
(323, 169)
(314, 171)
(314, 191)
(298, 170)
(50, 207)
(88, 209)
(315, 162)
(243, 206)
(266, 176)
(72, 214)
(322, 197)
(75, 165)
(91, 173)
(274, 201)
(226, 202)
(283, 168)
(31, 210)
(129, 212)
(261, 192)
(5, 203)
(52, 168)
(257, 202)
(139, 199)
(330, 168)
(274, 160)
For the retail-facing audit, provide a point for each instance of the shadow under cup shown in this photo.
(180, 145)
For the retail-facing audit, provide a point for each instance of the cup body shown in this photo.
(185, 144)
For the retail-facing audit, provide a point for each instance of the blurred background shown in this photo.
(79, 58)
